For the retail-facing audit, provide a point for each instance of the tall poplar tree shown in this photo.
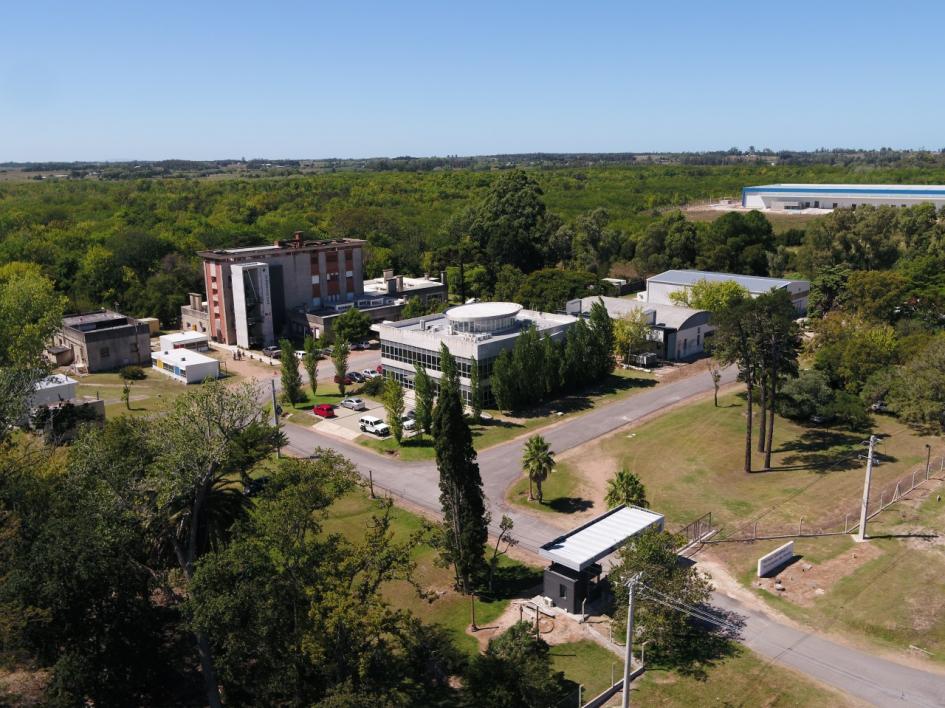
(423, 386)
(291, 380)
(310, 362)
(465, 519)
(475, 390)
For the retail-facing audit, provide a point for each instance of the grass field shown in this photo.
(350, 517)
(742, 679)
(558, 493)
(500, 428)
(154, 394)
(779, 222)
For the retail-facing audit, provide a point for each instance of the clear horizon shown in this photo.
(109, 82)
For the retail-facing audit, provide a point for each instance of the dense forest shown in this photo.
(132, 243)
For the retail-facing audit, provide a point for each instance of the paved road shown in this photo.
(869, 678)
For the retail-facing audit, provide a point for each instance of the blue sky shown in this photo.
(200, 80)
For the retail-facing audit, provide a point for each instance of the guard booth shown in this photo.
(575, 574)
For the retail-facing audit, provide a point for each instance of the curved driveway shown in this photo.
(873, 679)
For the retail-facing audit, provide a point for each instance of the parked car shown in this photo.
(355, 404)
(879, 407)
(408, 422)
(379, 369)
(373, 424)
(324, 410)
(357, 347)
(347, 380)
(370, 374)
(299, 354)
(357, 377)
(272, 352)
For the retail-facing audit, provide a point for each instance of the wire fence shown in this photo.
(882, 496)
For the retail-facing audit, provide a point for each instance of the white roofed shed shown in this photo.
(598, 538)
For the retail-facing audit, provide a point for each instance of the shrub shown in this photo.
(132, 373)
(374, 387)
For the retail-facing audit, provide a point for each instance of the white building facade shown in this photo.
(479, 331)
(787, 197)
(185, 365)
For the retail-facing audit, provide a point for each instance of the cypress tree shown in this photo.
(291, 380)
(602, 341)
(475, 390)
(465, 519)
(423, 386)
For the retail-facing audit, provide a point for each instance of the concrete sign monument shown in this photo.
(774, 560)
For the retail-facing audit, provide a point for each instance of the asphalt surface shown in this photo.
(870, 678)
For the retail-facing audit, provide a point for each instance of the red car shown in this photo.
(324, 410)
(379, 369)
(348, 380)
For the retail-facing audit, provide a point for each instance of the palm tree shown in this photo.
(625, 488)
(537, 461)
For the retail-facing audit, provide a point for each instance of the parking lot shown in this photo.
(345, 423)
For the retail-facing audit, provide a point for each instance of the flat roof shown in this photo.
(53, 381)
(190, 336)
(84, 318)
(483, 310)
(283, 247)
(674, 316)
(182, 357)
(599, 537)
(937, 190)
(752, 283)
(379, 285)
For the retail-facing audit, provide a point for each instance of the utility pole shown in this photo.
(866, 489)
(628, 649)
(275, 413)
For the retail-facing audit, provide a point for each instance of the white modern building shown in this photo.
(679, 333)
(781, 197)
(659, 288)
(195, 341)
(479, 331)
(185, 365)
(53, 390)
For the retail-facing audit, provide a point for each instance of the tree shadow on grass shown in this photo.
(569, 505)
(514, 580)
(823, 450)
(480, 428)
(582, 400)
(417, 442)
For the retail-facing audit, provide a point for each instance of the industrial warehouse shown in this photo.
(792, 197)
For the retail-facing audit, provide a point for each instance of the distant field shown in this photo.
(779, 222)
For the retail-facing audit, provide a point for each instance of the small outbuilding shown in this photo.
(574, 574)
(53, 390)
(196, 341)
(185, 365)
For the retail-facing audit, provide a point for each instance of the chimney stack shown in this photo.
(388, 274)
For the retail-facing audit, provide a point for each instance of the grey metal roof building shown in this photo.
(660, 287)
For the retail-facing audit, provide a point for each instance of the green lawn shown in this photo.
(500, 428)
(558, 493)
(154, 394)
(587, 664)
(350, 517)
(741, 679)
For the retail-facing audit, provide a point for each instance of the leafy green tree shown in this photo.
(503, 382)
(632, 335)
(859, 239)
(827, 290)
(339, 357)
(508, 280)
(878, 296)
(712, 296)
(423, 389)
(736, 243)
(291, 379)
(538, 461)
(351, 326)
(465, 519)
(475, 390)
(671, 637)
(549, 290)
(668, 242)
(296, 615)
(917, 393)
(510, 225)
(850, 349)
(625, 488)
(515, 671)
(310, 362)
(394, 406)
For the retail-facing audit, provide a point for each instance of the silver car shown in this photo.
(355, 404)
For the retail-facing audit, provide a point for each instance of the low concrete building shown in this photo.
(185, 365)
(678, 333)
(574, 573)
(194, 341)
(405, 287)
(660, 287)
(153, 323)
(103, 341)
(318, 322)
(53, 390)
(479, 331)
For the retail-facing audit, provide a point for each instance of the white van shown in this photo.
(373, 424)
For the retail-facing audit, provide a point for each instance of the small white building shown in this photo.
(185, 365)
(53, 390)
(660, 287)
(787, 197)
(195, 341)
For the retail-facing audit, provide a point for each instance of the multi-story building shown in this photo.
(101, 341)
(479, 331)
(250, 291)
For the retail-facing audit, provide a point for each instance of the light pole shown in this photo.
(866, 489)
(928, 459)
(628, 649)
